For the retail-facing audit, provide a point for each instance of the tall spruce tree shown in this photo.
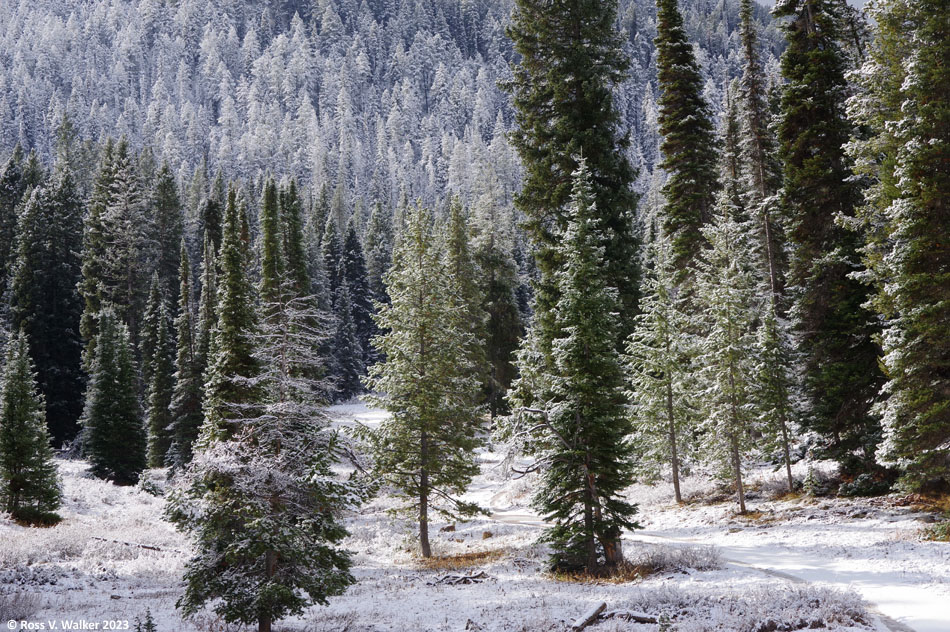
(295, 252)
(426, 448)
(587, 463)
(29, 483)
(570, 61)
(659, 356)
(186, 397)
(12, 188)
(378, 250)
(834, 331)
(726, 293)
(148, 342)
(169, 230)
(159, 390)
(115, 438)
(904, 103)
(465, 275)
(207, 313)
(232, 392)
(44, 301)
(268, 496)
(689, 142)
(361, 298)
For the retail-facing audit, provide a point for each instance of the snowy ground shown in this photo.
(835, 564)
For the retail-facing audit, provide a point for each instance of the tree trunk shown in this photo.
(737, 468)
(424, 498)
(788, 454)
(674, 456)
(270, 569)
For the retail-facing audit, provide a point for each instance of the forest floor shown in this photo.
(793, 563)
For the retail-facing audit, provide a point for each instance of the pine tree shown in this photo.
(834, 332)
(492, 250)
(588, 463)
(29, 482)
(378, 251)
(12, 188)
(355, 277)
(465, 277)
(295, 252)
(659, 357)
(148, 343)
(905, 104)
(186, 397)
(571, 59)
(160, 391)
(346, 353)
(44, 302)
(689, 143)
(761, 169)
(726, 292)
(775, 386)
(168, 230)
(231, 392)
(114, 431)
(269, 499)
(207, 313)
(426, 448)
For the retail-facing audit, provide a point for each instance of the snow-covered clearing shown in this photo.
(798, 564)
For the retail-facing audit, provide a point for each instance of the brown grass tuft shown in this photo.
(461, 561)
(624, 574)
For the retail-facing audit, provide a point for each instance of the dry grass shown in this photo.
(623, 574)
(461, 561)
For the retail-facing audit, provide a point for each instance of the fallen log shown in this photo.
(629, 615)
(592, 615)
(148, 547)
(455, 580)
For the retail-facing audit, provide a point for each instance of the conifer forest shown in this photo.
(475, 315)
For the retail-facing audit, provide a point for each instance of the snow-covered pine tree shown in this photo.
(159, 390)
(834, 331)
(148, 340)
(465, 276)
(12, 188)
(689, 142)
(44, 301)
(378, 250)
(728, 300)
(904, 102)
(231, 390)
(660, 362)
(295, 252)
(588, 460)
(207, 313)
(426, 448)
(29, 483)
(346, 354)
(168, 222)
(186, 397)
(259, 498)
(361, 298)
(775, 387)
(114, 431)
(578, 67)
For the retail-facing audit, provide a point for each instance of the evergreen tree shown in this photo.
(295, 252)
(231, 390)
(346, 354)
(834, 332)
(588, 461)
(760, 167)
(169, 229)
(12, 188)
(726, 292)
(775, 387)
(114, 431)
(207, 313)
(378, 251)
(570, 61)
(689, 143)
(44, 302)
(465, 278)
(426, 448)
(151, 323)
(268, 495)
(492, 250)
(355, 277)
(659, 356)
(29, 482)
(185, 405)
(905, 104)
(160, 391)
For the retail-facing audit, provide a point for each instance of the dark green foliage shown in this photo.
(159, 390)
(113, 429)
(361, 297)
(426, 449)
(207, 312)
(906, 105)
(186, 397)
(29, 482)
(378, 250)
(44, 302)
(834, 330)
(346, 354)
(12, 187)
(166, 207)
(689, 142)
(230, 394)
(571, 59)
(588, 463)
(295, 253)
